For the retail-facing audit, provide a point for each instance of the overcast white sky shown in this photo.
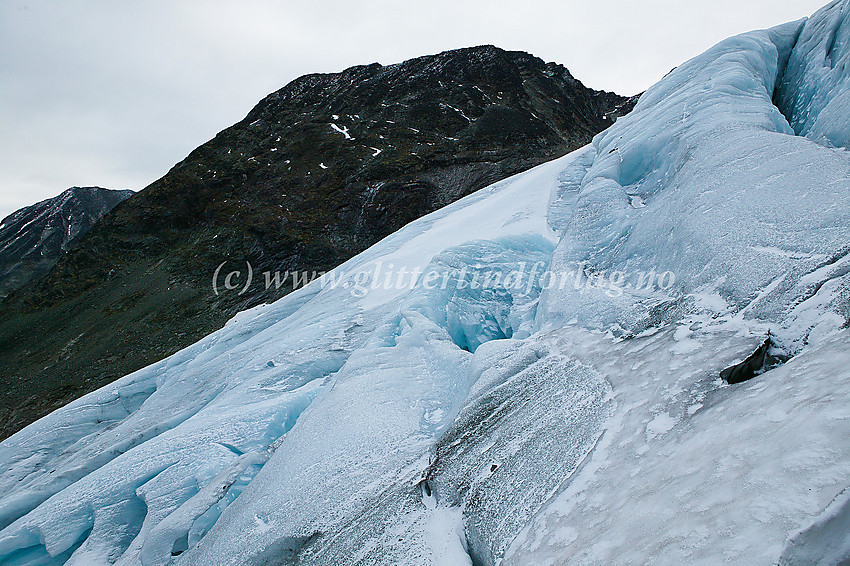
(114, 92)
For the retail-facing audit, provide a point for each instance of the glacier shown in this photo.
(569, 412)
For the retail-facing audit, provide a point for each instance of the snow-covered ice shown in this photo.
(366, 419)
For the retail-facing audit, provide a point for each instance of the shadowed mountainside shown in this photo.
(316, 173)
(33, 238)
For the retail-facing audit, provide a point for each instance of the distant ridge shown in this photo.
(33, 238)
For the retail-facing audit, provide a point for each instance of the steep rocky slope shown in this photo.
(533, 398)
(554, 389)
(33, 239)
(317, 172)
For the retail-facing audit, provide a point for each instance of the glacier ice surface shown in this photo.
(519, 422)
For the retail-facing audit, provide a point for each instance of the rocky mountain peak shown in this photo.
(316, 172)
(33, 238)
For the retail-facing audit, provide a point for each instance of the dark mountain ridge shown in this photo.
(33, 238)
(316, 173)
